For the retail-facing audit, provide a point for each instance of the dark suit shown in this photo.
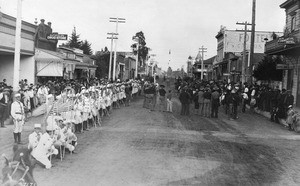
(184, 98)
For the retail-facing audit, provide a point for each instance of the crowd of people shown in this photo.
(208, 96)
(72, 107)
(153, 93)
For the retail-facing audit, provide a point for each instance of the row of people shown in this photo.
(72, 113)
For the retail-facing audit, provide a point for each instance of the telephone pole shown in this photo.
(17, 48)
(244, 49)
(116, 20)
(137, 39)
(111, 48)
(252, 39)
(202, 50)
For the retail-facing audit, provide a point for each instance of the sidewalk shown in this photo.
(268, 115)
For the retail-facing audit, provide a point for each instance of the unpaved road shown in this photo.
(138, 147)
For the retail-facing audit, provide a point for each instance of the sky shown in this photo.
(178, 26)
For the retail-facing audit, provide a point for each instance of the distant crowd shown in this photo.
(207, 96)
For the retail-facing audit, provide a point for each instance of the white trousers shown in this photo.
(169, 106)
(18, 126)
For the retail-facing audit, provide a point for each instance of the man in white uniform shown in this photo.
(18, 115)
(35, 136)
(45, 148)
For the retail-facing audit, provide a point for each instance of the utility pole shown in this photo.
(252, 40)
(111, 48)
(137, 39)
(17, 48)
(244, 49)
(117, 21)
(202, 50)
(152, 61)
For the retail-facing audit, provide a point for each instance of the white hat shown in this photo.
(37, 126)
(66, 122)
(17, 95)
(50, 128)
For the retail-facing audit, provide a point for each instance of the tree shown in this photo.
(74, 41)
(86, 47)
(266, 69)
(102, 61)
(143, 49)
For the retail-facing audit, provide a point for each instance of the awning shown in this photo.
(49, 67)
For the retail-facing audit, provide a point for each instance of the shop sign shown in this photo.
(287, 41)
(283, 67)
(56, 36)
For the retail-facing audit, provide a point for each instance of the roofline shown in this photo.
(255, 31)
(15, 19)
(287, 3)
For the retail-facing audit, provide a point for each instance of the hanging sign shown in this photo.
(56, 36)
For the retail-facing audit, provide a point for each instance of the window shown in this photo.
(293, 23)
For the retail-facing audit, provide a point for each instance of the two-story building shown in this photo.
(197, 66)
(7, 47)
(230, 47)
(62, 62)
(288, 47)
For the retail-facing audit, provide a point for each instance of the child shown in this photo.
(169, 101)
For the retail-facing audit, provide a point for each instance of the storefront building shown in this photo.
(230, 47)
(7, 47)
(54, 63)
(288, 48)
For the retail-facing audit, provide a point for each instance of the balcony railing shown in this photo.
(282, 43)
(273, 46)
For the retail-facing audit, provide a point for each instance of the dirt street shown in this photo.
(138, 147)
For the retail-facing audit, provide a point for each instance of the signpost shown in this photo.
(56, 36)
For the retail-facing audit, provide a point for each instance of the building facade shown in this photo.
(288, 48)
(197, 67)
(7, 47)
(230, 47)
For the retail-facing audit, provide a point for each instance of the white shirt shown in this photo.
(253, 93)
(17, 110)
(5, 97)
(30, 93)
(34, 139)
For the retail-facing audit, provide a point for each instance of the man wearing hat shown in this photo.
(162, 93)
(201, 101)
(35, 136)
(215, 102)
(18, 115)
(45, 148)
(3, 106)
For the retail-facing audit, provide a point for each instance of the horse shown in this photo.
(19, 170)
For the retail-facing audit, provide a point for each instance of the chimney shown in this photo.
(35, 21)
(49, 24)
(42, 21)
